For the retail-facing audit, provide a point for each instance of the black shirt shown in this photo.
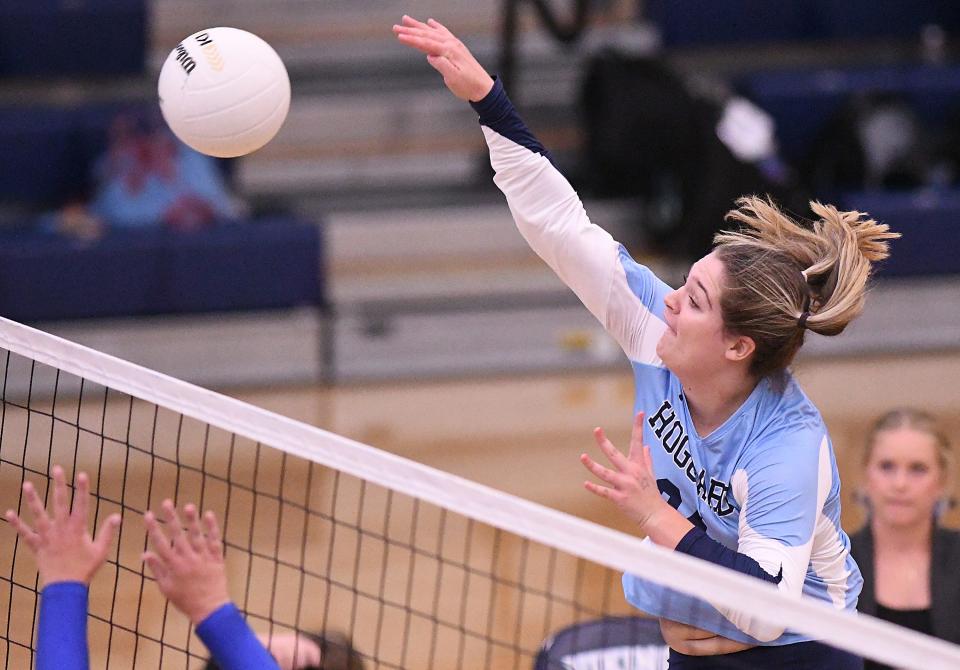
(918, 620)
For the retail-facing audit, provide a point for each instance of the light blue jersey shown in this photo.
(764, 485)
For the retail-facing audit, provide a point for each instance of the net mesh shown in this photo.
(413, 581)
(308, 547)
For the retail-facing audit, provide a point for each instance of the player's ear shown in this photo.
(740, 348)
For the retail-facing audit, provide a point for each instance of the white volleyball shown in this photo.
(224, 91)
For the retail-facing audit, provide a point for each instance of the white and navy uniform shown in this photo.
(762, 490)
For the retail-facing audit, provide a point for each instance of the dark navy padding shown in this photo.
(49, 152)
(498, 113)
(266, 264)
(62, 629)
(693, 22)
(798, 656)
(596, 635)
(76, 37)
(868, 19)
(801, 101)
(687, 23)
(697, 543)
(927, 220)
(39, 163)
(261, 264)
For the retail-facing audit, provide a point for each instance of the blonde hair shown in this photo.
(783, 278)
(921, 422)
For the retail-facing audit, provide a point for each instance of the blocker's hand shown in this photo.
(60, 540)
(462, 74)
(292, 650)
(187, 563)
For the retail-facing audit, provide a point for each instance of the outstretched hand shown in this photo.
(64, 549)
(462, 74)
(187, 563)
(632, 484)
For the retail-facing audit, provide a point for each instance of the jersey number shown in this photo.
(670, 489)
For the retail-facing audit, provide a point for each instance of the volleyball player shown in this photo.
(188, 566)
(741, 471)
(67, 559)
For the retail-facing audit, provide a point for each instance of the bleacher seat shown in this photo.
(867, 19)
(49, 151)
(802, 101)
(96, 38)
(927, 220)
(723, 22)
(266, 264)
(40, 165)
(701, 22)
(263, 263)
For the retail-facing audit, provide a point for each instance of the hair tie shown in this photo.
(805, 314)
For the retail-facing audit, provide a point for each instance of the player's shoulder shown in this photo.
(788, 424)
(638, 274)
(785, 408)
(643, 282)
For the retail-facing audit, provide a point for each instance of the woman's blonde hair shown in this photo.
(921, 422)
(783, 278)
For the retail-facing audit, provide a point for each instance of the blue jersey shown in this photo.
(62, 630)
(232, 643)
(763, 487)
(62, 633)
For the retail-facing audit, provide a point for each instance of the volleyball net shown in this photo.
(417, 567)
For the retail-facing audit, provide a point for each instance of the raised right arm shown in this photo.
(626, 297)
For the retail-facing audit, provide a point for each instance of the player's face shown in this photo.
(695, 340)
(904, 478)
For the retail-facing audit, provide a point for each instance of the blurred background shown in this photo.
(362, 273)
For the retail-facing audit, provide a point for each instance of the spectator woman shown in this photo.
(908, 561)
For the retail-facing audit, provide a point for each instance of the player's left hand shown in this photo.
(632, 481)
(64, 549)
(693, 641)
(187, 562)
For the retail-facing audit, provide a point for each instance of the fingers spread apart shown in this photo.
(61, 504)
(214, 541)
(618, 460)
(23, 530)
(602, 473)
(158, 539)
(40, 519)
(194, 532)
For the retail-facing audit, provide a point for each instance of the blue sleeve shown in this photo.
(697, 543)
(62, 631)
(232, 643)
(498, 113)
